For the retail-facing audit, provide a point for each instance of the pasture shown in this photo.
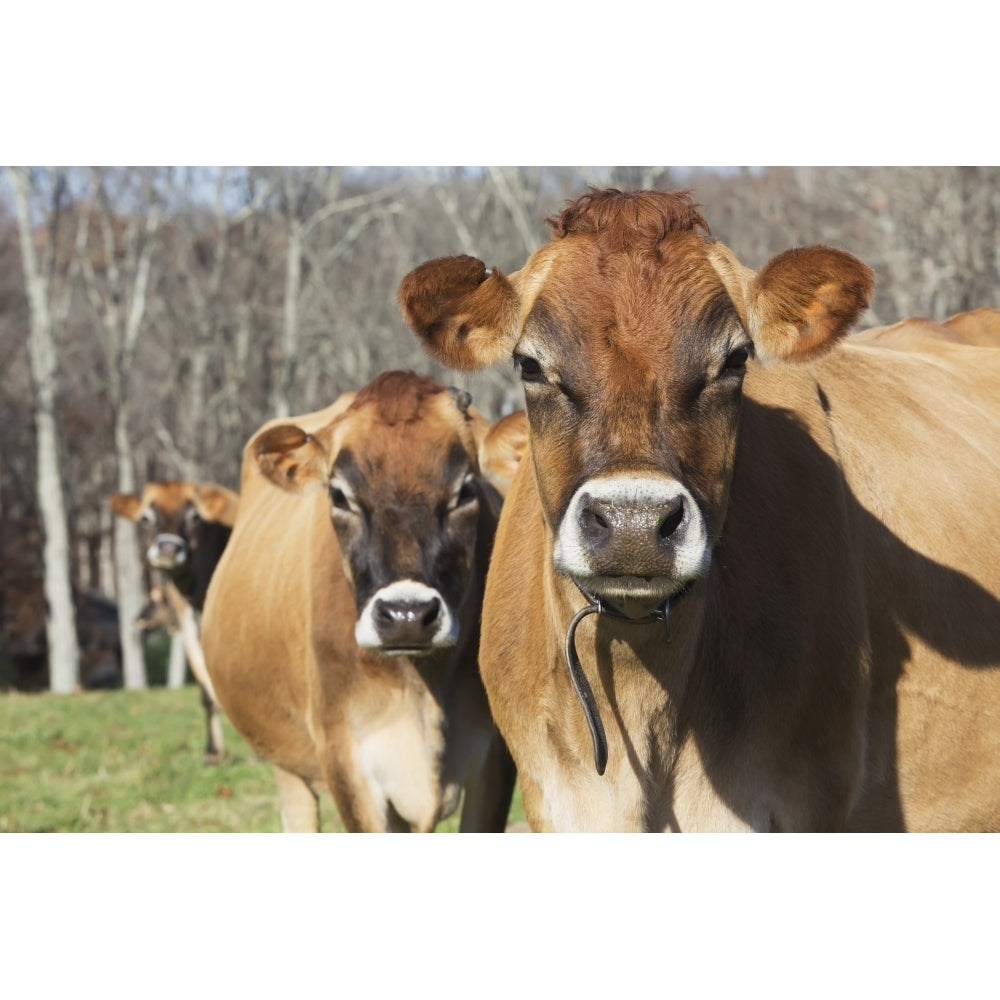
(131, 761)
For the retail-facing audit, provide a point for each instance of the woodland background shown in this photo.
(152, 318)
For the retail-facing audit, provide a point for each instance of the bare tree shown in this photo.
(48, 305)
(116, 278)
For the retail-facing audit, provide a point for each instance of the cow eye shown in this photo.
(148, 516)
(737, 359)
(467, 493)
(531, 370)
(339, 498)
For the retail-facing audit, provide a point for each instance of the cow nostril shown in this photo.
(672, 519)
(432, 612)
(592, 522)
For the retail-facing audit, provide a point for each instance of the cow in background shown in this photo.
(342, 625)
(185, 527)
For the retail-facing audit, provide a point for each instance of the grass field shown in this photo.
(131, 761)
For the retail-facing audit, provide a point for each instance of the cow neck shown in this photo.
(581, 685)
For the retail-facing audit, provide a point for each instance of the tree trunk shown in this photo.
(60, 622)
(128, 568)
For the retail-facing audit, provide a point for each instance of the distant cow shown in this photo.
(342, 625)
(185, 528)
(748, 575)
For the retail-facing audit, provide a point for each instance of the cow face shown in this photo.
(631, 332)
(168, 515)
(401, 467)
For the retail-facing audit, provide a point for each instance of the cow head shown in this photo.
(403, 469)
(632, 330)
(168, 514)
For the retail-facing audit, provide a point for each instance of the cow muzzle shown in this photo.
(406, 618)
(167, 551)
(632, 541)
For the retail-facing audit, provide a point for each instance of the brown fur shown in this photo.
(837, 666)
(394, 738)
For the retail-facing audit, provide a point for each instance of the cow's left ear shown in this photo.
(292, 459)
(801, 303)
(465, 315)
(126, 505)
(502, 448)
(217, 504)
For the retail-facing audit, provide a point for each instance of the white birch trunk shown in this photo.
(60, 623)
(128, 569)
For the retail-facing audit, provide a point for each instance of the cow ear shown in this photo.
(464, 315)
(502, 449)
(217, 504)
(801, 303)
(292, 459)
(126, 505)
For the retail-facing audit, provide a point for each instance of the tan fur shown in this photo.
(395, 739)
(978, 328)
(838, 666)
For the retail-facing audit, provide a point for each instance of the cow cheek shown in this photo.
(558, 467)
(706, 454)
(452, 563)
(351, 543)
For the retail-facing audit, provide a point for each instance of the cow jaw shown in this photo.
(406, 618)
(633, 542)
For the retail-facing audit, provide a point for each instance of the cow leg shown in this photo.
(299, 803)
(488, 794)
(215, 748)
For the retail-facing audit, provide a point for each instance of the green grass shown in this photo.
(131, 761)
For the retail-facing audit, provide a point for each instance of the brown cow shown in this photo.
(346, 654)
(748, 573)
(185, 528)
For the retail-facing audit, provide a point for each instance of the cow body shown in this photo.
(978, 327)
(186, 527)
(818, 527)
(345, 653)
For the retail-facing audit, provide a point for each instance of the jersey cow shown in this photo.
(185, 528)
(342, 626)
(748, 576)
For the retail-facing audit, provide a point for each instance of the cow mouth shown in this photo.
(411, 651)
(634, 598)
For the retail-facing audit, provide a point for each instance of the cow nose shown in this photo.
(637, 534)
(601, 521)
(407, 623)
(167, 551)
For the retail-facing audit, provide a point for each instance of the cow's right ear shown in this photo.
(217, 504)
(126, 505)
(465, 315)
(292, 459)
(502, 449)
